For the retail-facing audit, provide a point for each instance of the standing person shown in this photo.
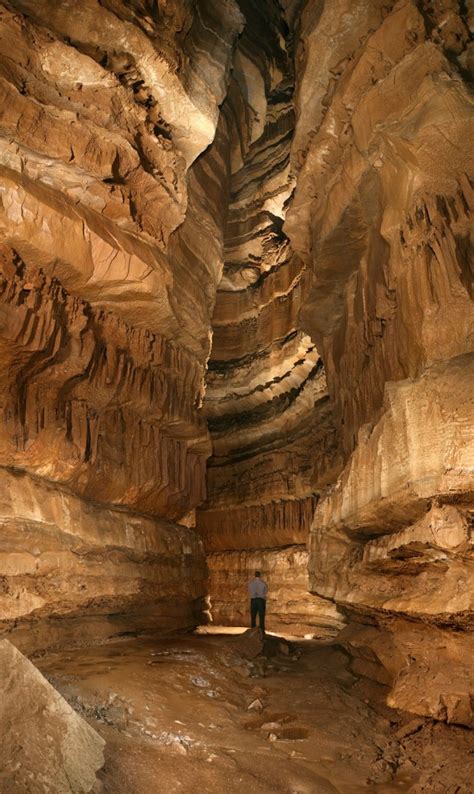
(258, 590)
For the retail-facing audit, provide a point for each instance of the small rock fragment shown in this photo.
(270, 726)
(255, 705)
(409, 728)
(200, 682)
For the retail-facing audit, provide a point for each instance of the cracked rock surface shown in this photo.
(237, 331)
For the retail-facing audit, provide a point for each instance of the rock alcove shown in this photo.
(236, 327)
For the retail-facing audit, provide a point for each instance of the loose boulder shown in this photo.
(45, 745)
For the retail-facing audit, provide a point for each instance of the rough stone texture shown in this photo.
(89, 400)
(290, 608)
(331, 731)
(45, 745)
(243, 227)
(380, 216)
(259, 526)
(382, 199)
(107, 571)
(114, 161)
(97, 133)
(274, 439)
(429, 669)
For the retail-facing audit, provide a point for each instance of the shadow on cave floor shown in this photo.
(204, 713)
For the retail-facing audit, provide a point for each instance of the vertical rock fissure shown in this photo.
(274, 442)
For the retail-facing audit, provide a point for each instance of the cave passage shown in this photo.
(237, 334)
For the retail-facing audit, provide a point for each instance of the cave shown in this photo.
(237, 334)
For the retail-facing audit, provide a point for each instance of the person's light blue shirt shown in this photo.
(257, 588)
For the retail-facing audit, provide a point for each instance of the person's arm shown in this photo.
(265, 591)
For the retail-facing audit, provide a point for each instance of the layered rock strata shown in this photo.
(380, 216)
(209, 200)
(274, 441)
(75, 571)
(290, 607)
(89, 400)
(113, 167)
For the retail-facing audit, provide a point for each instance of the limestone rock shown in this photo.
(250, 644)
(273, 435)
(45, 745)
(380, 216)
(429, 669)
(290, 608)
(255, 705)
(88, 399)
(386, 226)
(74, 571)
(236, 235)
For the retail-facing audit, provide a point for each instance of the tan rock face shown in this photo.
(290, 608)
(114, 162)
(237, 233)
(380, 215)
(274, 439)
(382, 201)
(97, 133)
(104, 570)
(89, 400)
(45, 744)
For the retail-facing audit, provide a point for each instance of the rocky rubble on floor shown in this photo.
(314, 726)
(263, 655)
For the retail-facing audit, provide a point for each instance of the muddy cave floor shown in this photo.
(175, 716)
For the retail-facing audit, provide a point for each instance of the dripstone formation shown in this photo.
(110, 260)
(237, 327)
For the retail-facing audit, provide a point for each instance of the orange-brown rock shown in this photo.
(89, 401)
(75, 571)
(380, 216)
(45, 743)
(114, 173)
(236, 314)
(290, 607)
(273, 435)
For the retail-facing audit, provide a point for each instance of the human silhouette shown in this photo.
(257, 590)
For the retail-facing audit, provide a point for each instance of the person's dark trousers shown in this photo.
(257, 607)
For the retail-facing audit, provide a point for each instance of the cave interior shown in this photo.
(237, 334)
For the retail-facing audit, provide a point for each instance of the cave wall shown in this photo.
(273, 437)
(381, 215)
(236, 325)
(114, 168)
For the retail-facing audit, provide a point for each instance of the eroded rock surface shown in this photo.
(179, 710)
(76, 571)
(290, 607)
(381, 216)
(113, 182)
(46, 745)
(274, 439)
(236, 235)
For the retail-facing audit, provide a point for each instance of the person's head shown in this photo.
(257, 574)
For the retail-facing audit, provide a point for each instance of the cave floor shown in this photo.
(174, 714)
